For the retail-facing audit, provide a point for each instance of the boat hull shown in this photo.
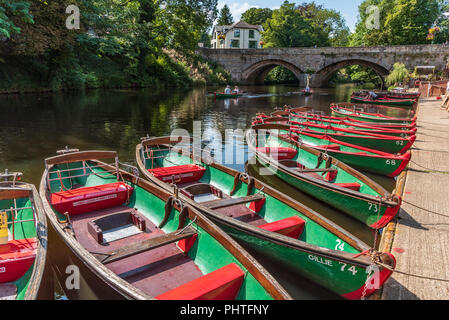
(386, 102)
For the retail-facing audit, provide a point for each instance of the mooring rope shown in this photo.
(424, 209)
(428, 169)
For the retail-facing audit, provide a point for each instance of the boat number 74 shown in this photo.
(350, 269)
(340, 245)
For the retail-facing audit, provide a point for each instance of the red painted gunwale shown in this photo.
(382, 276)
(359, 113)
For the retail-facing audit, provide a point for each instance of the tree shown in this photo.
(225, 18)
(398, 75)
(257, 16)
(287, 28)
(400, 22)
(20, 10)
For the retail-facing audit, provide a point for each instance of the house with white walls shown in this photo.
(240, 35)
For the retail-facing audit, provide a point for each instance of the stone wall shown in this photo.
(250, 65)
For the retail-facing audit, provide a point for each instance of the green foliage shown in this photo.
(225, 18)
(20, 10)
(119, 44)
(305, 25)
(257, 16)
(280, 75)
(401, 22)
(398, 75)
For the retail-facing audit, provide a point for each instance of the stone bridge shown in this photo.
(250, 66)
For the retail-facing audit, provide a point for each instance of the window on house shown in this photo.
(235, 44)
(252, 45)
(237, 33)
(251, 34)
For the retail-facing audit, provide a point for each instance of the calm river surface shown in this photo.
(34, 127)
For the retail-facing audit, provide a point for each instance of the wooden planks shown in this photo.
(421, 237)
(145, 245)
(224, 203)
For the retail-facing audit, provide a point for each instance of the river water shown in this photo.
(34, 127)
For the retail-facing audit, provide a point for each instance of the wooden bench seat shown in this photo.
(223, 203)
(145, 245)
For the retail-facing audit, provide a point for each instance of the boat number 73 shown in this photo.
(350, 269)
(373, 207)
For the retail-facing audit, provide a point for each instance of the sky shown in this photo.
(347, 8)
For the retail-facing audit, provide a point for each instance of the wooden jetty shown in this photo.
(419, 239)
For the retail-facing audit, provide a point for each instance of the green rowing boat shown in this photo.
(263, 218)
(323, 177)
(340, 111)
(384, 101)
(361, 158)
(227, 96)
(130, 239)
(23, 240)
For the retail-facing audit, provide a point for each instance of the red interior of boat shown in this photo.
(335, 147)
(290, 227)
(222, 284)
(16, 257)
(280, 153)
(179, 174)
(86, 199)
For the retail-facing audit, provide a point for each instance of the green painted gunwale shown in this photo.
(28, 284)
(387, 102)
(363, 117)
(293, 254)
(207, 253)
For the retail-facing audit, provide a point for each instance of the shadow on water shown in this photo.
(34, 126)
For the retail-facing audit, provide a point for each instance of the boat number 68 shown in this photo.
(391, 162)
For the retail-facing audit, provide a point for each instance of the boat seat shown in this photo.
(221, 284)
(200, 191)
(16, 258)
(179, 174)
(290, 227)
(334, 147)
(88, 199)
(116, 226)
(146, 245)
(224, 203)
(8, 291)
(279, 153)
(353, 186)
(294, 166)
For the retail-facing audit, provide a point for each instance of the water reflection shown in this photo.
(35, 126)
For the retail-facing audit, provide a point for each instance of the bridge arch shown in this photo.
(322, 77)
(256, 73)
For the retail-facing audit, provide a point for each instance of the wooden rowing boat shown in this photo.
(391, 94)
(23, 239)
(220, 95)
(131, 239)
(261, 217)
(344, 124)
(380, 142)
(374, 161)
(384, 101)
(340, 110)
(322, 176)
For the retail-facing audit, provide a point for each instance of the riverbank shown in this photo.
(420, 237)
(170, 69)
